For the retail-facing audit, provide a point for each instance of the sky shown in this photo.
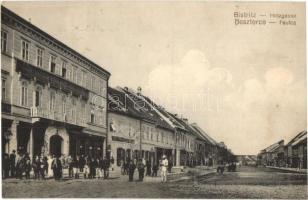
(244, 85)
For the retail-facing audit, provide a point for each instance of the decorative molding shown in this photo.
(24, 27)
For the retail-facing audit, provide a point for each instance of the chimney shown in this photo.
(139, 90)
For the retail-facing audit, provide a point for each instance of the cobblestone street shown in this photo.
(247, 183)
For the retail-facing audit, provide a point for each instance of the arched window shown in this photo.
(24, 94)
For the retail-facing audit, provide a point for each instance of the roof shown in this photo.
(138, 102)
(11, 14)
(273, 147)
(202, 132)
(301, 139)
(297, 137)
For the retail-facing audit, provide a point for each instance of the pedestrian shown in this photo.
(36, 167)
(148, 167)
(42, 168)
(111, 162)
(57, 168)
(92, 166)
(49, 161)
(164, 166)
(46, 166)
(12, 163)
(154, 170)
(69, 161)
(86, 167)
(126, 164)
(28, 168)
(131, 170)
(99, 167)
(140, 167)
(75, 165)
(20, 166)
(82, 162)
(5, 166)
(122, 164)
(105, 167)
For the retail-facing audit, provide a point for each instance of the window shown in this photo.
(25, 50)
(162, 137)
(64, 104)
(24, 94)
(3, 89)
(82, 78)
(37, 98)
(63, 74)
(3, 41)
(75, 74)
(39, 58)
(92, 118)
(52, 64)
(52, 100)
(93, 83)
(74, 110)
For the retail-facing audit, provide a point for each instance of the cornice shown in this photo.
(14, 21)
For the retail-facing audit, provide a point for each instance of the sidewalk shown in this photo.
(302, 171)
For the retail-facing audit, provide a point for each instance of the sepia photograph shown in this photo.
(154, 99)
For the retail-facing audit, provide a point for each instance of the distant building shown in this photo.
(53, 98)
(139, 128)
(296, 151)
(292, 155)
(272, 155)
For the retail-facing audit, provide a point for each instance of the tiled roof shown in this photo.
(209, 138)
(297, 137)
(146, 109)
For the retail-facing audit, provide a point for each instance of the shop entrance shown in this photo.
(56, 144)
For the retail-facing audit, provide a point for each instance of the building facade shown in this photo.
(138, 128)
(54, 100)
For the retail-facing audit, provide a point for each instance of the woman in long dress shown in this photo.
(50, 158)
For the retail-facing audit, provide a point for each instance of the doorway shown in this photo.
(56, 144)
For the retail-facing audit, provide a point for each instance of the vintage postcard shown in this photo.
(153, 99)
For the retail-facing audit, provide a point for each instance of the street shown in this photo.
(247, 182)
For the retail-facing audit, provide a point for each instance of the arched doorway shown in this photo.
(56, 145)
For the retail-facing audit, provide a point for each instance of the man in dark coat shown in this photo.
(154, 170)
(105, 167)
(131, 170)
(57, 168)
(82, 162)
(5, 166)
(140, 169)
(148, 166)
(13, 163)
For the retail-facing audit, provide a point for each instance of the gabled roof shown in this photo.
(273, 147)
(140, 102)
(209, 138)
(300, 140)
(297, 137)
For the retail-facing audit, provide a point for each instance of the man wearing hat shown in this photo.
(164, 167)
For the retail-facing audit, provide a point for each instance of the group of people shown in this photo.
(145, 168)
(21, 165)
(89, 167)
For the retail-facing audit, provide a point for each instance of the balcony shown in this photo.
(29, 71)
(6, 108)
(37, 112)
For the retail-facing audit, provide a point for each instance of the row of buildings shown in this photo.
(291, 155)
(57, 102)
